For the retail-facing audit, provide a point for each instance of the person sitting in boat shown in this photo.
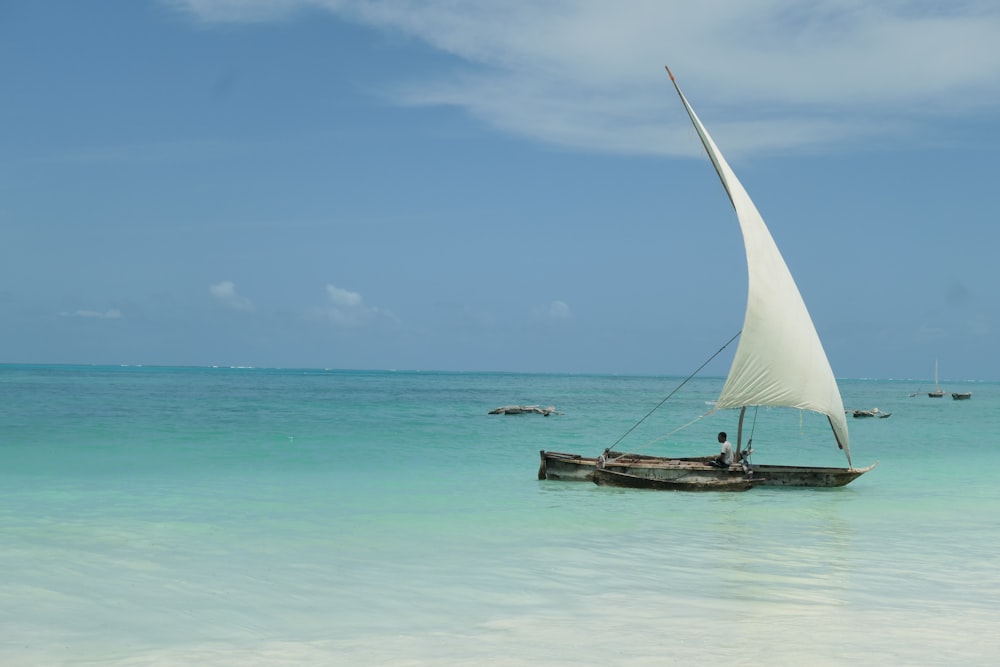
(725, 457)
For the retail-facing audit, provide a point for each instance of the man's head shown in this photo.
(722, 436)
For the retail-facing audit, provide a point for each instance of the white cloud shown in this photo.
(765, 74)
(110, 314)
(346, 309)
(343, 298)
(557, 311)
(225, 293)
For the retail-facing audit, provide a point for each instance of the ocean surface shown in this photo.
(217, 516)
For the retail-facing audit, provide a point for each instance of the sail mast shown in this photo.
(703, 135)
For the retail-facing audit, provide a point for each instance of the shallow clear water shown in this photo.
(163, 516)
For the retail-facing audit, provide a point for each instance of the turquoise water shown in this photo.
(168, 516)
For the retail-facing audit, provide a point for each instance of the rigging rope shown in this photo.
(674, 432)
(676, 389)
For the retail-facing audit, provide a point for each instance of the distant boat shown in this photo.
(874, 412)
(779, 362)
(962, 396)
(524, 409)
(937, 393)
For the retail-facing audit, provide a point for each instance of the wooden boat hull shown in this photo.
(576, 468)
(566, 467)
(605, 477)
(573, 467)
(808, 476)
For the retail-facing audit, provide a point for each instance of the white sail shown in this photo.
(780, 360)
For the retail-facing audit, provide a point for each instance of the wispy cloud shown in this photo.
(225, 293)
(110, 314)
(767, 74)
(556, 311)
(346, 309)
(930, 333)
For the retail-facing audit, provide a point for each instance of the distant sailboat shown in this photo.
(937, 393)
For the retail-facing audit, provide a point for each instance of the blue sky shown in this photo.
(493, 185)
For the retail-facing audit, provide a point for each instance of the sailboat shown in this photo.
(937, 393)
(779, 362)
